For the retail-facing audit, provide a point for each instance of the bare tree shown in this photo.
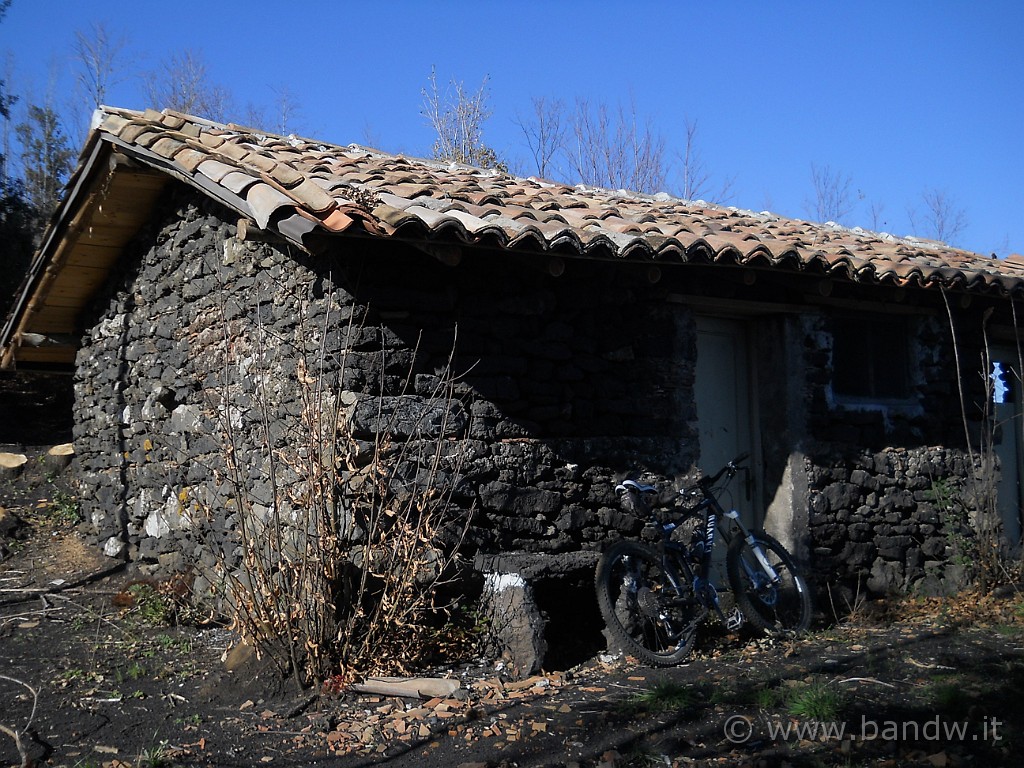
(284, 110)
(832, 199)
(96, 54)
(942, 220)
(183, 84)
(696, 179)
(612, 149)
(545, 133)
(457, 117)
(371, 136)
(287, 109)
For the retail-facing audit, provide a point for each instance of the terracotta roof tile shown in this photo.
(237, 182)
(167, 147)
(214, 169)
(190, 159)
(262, 162)
(304, 185)
(265, 201)
(146, 138)
(211, 139)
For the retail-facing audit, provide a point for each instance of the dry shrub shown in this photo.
(345, 526)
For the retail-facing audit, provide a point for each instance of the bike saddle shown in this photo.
(632, 485)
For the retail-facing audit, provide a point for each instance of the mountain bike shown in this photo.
(653, 597)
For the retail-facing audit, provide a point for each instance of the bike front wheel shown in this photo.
(779, 606)
(647, 614)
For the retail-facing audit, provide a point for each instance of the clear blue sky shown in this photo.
(902, 97)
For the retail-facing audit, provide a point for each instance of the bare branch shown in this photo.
(695, 175)
(943, 219)
(545, 133)
(696, 179)
(876, 211)
(17, 735)
(832, 200)
(287, 109)
(283, 112)
(614, 150)
(183, 84)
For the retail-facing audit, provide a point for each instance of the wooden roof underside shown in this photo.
(116, 204)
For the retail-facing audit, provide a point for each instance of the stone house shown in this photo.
(199, 279)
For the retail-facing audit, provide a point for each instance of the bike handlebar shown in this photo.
(635, 489)
(709, 480)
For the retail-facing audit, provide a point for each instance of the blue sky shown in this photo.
(901, 97)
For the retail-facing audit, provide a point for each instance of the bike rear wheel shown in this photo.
(780, 607)
(646, 615)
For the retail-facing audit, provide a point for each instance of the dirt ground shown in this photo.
(96, 670)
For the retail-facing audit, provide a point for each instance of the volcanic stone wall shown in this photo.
(202, 355)
(205, 350)
(888, 482)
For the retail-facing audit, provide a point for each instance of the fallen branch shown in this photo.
(17, 735)
(28, 593)
(415, 687)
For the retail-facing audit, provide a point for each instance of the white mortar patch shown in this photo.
(499, 582)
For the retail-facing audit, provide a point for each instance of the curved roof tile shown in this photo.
(284, 177)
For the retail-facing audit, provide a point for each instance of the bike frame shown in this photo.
(715, 521)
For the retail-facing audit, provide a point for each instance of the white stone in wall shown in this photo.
(109, 328)
(153, 409)
(157, 525)
(186, 418)
(113, 547)
(169, 517)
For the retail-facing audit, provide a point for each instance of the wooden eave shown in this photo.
(109, 200)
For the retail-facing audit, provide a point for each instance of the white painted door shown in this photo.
(724, 411)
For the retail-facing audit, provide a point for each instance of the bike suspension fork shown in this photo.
(751, 540)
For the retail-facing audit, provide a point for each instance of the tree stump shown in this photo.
(11, 465)
(58, 457)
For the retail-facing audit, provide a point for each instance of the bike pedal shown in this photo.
(734, 619)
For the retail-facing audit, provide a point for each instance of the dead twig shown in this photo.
(17, 735)
(867, 680)
(921, 665)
